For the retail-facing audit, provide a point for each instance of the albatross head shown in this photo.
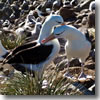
(55, 19)
(58, 32)
(50, 22)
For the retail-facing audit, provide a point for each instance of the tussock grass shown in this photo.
(27, 85)
(11, 42)
(92, 32)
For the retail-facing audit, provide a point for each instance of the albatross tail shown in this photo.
(3, 51)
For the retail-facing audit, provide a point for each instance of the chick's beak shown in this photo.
(51, 37)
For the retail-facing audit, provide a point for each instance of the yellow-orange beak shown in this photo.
(63, 24)
(51, 37)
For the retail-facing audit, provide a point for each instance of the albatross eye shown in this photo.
(59, 33)
(58, 22)
(55, 27)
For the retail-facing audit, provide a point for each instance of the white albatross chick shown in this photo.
(30, 20)
(92, 6)
(77, 46)
(37, 28)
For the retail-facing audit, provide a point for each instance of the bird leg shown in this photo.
(82, 76)
(67, 74)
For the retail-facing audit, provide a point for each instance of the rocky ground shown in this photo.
(80, 18)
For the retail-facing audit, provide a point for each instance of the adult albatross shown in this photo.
(34, 56)
(77, 46)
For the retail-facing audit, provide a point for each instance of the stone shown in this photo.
(67, 13)
(75, 62)
(6, 72)
(91, 20)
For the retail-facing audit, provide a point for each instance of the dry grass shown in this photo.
(27, 85)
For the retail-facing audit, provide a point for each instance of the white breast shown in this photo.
(77, 49)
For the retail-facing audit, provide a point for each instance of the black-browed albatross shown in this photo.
(35, 56)
(77, 46)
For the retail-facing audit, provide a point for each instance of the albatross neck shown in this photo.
(45, 31)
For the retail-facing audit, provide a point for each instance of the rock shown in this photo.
(67, 13)
(88, 83)
(75, 71)
(84, 4)
(36, 3)
(59, 59)
(31, 7)
(7, 11)
(78, 21)
(92, 88)
(1, 5)
(84, 30)
(1, 68)
(84, 11)
(49, 3)
(84, 20)
(3, 79)
(77, 25)
(25, 5)
(65, 3)
(57, 4)
(71, 87)
(6, 72)
(75, 62)
(92, 54)
(92, 37)
(91, 20)
(81, 15)
(61, 65)
(90, 64)
(7, 69)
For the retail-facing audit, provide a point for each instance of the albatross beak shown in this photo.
(51, 37)
(62, 24)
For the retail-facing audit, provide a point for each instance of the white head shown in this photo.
(37, 28)
(30, 18)
(65, 31)
(58, 32)
(54, 19)
(49, 23)
(92, 6)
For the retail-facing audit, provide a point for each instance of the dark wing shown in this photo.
(19, 48)
(31, 55)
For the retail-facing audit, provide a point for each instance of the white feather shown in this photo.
(2, 50)
(76, 46)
